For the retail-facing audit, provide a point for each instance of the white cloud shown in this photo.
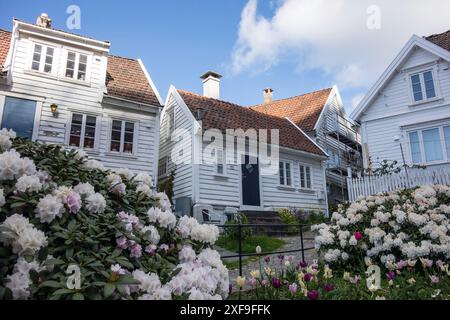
(333, 35)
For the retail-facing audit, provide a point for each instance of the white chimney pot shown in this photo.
(211, 84)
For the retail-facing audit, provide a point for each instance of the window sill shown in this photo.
(41, 74)
(306, 190)
(121, 155)
(424, 102)
(79, 82)
(220, 176)
(285, 188)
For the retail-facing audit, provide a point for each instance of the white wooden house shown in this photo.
(406, 114)
(297, 183)
(63, 88)
(321, 115)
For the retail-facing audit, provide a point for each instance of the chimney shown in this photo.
(44, 21)
(268, 95)
(211, 84)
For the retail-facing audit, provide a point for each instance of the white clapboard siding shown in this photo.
(83, 97)
(372, 185)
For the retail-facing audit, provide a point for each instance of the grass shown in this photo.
(249, 245)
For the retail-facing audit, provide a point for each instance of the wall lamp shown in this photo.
(54, 109)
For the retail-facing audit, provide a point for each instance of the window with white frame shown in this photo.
(82, 131)
(76, 66)
(42, 58)
(305, 176)
(171, 120)
(162, 167)
(423, 86)
(285, 173)
(430, 144)
(220, 162)
(122, 136)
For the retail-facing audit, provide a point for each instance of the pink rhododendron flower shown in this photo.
(74, 202)
(136, 250)
(122, 242)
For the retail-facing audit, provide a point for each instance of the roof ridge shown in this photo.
(1, 29)
(436, 34)
(236, 105)
(293, 97)
(121, 57)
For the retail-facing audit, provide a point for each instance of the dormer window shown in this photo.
(42, 58)
(423, 86)
(76, 66)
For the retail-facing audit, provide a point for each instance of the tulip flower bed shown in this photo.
(403, 234)
(303, 281)
(70, 229)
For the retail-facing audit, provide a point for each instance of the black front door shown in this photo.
(250, 183)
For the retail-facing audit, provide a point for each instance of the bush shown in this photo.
(62, 212)
(287, 216)
(392, 230)
(233, 232)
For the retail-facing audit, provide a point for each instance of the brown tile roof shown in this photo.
(303, 110)
(124, 78)
(5, 40)
(225, 115)
(441, 39)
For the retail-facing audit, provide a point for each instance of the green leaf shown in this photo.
(127, 280)
(62, 291)
(51, 284)
(78, 296)
(109, 289)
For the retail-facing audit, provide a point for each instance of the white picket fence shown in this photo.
(372, 185)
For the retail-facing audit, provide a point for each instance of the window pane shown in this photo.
(128, 147)
(83, 59)
(115, 146)
(36, 57)
(302, 177)
(432, 145)
(308, 177)
(91, 121)
(415, 147)
(70, 66)
(129, 126)
(74, 141)
(77, 118)
(288, 174)
(447, 140)
(429, 84)
(89, 132)
(281, 172)
(417, 87)
(18, 114)
(75, 130)
(117, 125)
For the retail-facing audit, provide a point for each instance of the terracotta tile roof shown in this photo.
(124, 78)
(441, 39)
(225, 115)
(303, 110)
(5, 40)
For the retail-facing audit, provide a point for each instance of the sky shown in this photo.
(291, 46)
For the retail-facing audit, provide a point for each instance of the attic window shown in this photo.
(76, 66)
(423, 86)
(42, 58)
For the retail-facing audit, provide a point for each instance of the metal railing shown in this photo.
(240, 254)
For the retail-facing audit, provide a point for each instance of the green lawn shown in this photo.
(249, 245)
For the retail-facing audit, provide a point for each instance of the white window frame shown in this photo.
(171, 122)
(291, 166)
(162, 161)
(65, 55)
(221, 162)
(83, 128)
(425, 99)
(420, 130)
(55, 59)
(305, 165)
(122, 136)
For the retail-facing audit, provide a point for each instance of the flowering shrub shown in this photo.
(61, 212)
(390, 230)
(289, 279)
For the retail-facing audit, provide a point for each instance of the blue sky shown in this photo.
(292, 46)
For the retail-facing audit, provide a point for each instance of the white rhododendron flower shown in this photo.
(12, 166)
(151, 233)
(80, 154)
(143, 178)
(29, 184)
(166, 219)
(189, 227)
(22, 235)
(94, 165)
(149, 281)
(144, 189)
(49, 207)
(163, 201)
(84, 189)
(127, 173)
(95, 203)
(410, 222)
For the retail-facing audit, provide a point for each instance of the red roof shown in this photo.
(125, 78)
(224, 115)
(441, 39)
(303, 110)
